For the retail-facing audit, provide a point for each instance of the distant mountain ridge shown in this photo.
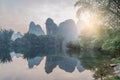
(35, 29)
(51, 27)
(66, 29)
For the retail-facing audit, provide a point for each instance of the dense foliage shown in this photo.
(104, 34)
(30, 45)
(73, 45)
(42, 44)
(113, 78)
(107, 34)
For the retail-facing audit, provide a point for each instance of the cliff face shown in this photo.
(51, 27)
(68, 30)
(35, 29)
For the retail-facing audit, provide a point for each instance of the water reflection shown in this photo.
(5, 56)
(34, 62)
(96, 61)
(69, 62)
(18, 70)
(65, 63)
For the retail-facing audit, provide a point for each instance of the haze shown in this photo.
(17, 14)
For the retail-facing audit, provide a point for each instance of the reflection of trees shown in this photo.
(99, 62)
(31, 53)
(34, 52)
(5, 40)
(53, 58)
(5, 56)
(92, 59)
(103, 70)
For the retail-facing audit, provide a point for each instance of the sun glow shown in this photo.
(85, 18)
(89, 19)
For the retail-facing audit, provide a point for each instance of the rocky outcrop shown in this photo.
(68, 30)
(16, 35)
(117, 70)
(51, 27)
(35, 29)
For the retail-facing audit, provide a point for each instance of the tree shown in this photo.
(73, 45)
(109, 11)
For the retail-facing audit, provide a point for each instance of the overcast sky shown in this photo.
(17, 14)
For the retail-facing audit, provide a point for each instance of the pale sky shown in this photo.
(17, 14)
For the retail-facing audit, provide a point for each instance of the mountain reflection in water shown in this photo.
(65, 63)
(32, 65)
(41, 66)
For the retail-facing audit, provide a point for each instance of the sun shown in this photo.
(89, 19)
(85, 18)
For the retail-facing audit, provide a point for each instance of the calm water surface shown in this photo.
(67, 66)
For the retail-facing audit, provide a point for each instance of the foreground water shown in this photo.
(70, 66)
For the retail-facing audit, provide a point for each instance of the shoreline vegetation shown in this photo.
(104, 36)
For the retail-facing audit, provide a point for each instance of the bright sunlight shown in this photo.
(90, 20)
(85, 18)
